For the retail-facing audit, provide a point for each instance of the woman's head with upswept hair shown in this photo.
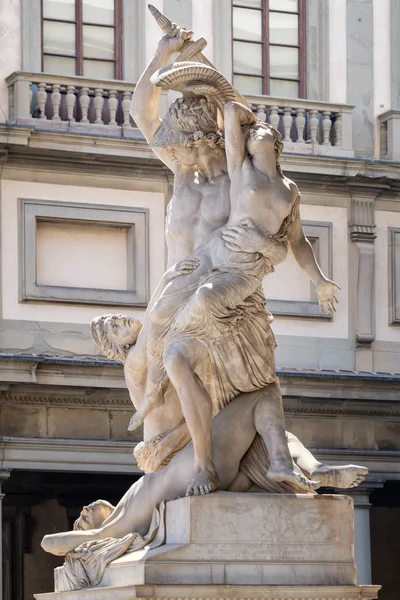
(278, 142)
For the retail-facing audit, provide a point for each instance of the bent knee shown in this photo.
(174, 358)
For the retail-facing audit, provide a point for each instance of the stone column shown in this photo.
(4, 475)
(362, 256)
(362, 537)
(360, 73)
(317, 16)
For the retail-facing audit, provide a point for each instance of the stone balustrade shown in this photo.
(307, 126)
(51, 100)
(78, 104)
(389, 128)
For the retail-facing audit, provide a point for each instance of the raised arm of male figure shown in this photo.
(146, 97)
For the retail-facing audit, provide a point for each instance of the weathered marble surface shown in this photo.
(227, 545)
(247, 539)
(215, 592)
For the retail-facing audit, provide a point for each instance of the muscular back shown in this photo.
(198, 207)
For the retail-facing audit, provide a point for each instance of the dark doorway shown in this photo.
(37, 503)
(385, 535)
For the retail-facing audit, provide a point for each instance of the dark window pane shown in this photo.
(283, 29)
(98, 11)
(59, 9)
(247, 24)
(98, 42)
(58, 38)
(284, 62)
(247, 58)
(248, 85)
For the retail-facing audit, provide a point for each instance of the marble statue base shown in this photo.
(228, 545)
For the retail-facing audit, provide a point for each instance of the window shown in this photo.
(82, 37)
(269, 47)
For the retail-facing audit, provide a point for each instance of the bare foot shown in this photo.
(150, 402)
(203, 482)
(283, 473)
(346, 476)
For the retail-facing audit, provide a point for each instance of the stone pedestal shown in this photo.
(228, 545)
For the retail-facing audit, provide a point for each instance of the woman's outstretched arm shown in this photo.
(305, 257)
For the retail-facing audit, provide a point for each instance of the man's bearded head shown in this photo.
(190, 121)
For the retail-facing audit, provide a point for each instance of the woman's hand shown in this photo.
(184, 267)
(326, 292)
(245, 237)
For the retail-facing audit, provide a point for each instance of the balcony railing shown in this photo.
(307, 126)
(74, 104)
(389, 127)
(77, 104)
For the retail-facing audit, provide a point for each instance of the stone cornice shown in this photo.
(305, 403)
(117, 400)
(49, 454)
(52, 454)
(89, 146)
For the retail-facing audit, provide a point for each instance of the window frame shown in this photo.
(79, 24)
(134, 219)
(266, 77)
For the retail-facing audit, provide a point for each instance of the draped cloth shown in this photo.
(84, 567)
(236, 330)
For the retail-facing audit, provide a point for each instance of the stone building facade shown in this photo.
(83, 203)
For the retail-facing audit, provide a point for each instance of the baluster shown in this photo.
(326, 127)
(84, 102)
(338, 130)
(383, 139)
(287, 123)
(98, 105)
(300, 124)
(41, 99)
(30, 98)
(126, 104)
(314, 125)
(274, 116)
(260, 114)
(56, 100)
(112, 106)
(70, 101)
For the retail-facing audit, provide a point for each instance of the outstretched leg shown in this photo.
(181, 359)
(269, 422)
(340, 476)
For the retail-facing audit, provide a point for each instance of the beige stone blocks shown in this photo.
(241, 547)
(247, 539)
(68, 421)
